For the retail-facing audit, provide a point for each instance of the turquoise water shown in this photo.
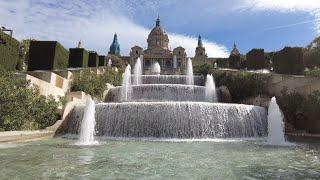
(59, 159)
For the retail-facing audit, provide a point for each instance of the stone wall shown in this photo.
(301, 84)
(47, 82)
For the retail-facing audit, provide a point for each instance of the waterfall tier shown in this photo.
(170, 79)
(173, 120)
(158, 92)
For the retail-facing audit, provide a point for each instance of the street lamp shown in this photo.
(8, 30)
(4, 29)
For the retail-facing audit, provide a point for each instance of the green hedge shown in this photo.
(289, 61)
(61, 57)
(47, 55)
(255, 59)
(9, 52)
(78, 57)
(93, 59)
(102, 61)
(234, 62)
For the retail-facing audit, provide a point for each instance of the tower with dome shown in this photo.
(158, 50)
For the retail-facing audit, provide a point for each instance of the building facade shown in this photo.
(171, 61)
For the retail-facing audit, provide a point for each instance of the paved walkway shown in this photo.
(18, 136)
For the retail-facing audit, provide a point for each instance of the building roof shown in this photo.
(235, 51)
(115, 46)
(158, 38)
(200, 41)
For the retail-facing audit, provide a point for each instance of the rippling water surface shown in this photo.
(131, 159)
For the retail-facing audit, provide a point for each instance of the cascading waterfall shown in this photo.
(189, 72)
(275, 124)
(156, 69)
(176, 120)
(170, 79)
(87, 129)
(126, 81)
(159, 93)
(137, 72)
(210, 90)
(171, 106)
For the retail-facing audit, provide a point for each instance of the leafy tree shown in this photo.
(93, 84)
(21, 105)
(311, 54)
(242, 84)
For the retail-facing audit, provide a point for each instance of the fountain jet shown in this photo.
(137, 72)
(109, 63)
(189, 73)
(275, 124)
(87, 129)
(126, 81)
(156, 69)
(210, 90)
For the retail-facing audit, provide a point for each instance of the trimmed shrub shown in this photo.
(22, 107)
(102, 61)
(47, 55)
(78, 58)
(234, 62)
(288, 61)
(93, 59)
(255, 59)
(9, 51)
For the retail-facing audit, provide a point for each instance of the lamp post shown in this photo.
(4, 29)
(8, 30)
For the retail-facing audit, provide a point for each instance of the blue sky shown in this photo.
(268, 24)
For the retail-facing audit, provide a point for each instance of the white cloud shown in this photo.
(94, 22)
(307, 6)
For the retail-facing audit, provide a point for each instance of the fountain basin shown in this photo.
(158, 92)
(170, 79)
(172, 120)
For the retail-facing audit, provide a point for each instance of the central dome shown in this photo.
(158, 38)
